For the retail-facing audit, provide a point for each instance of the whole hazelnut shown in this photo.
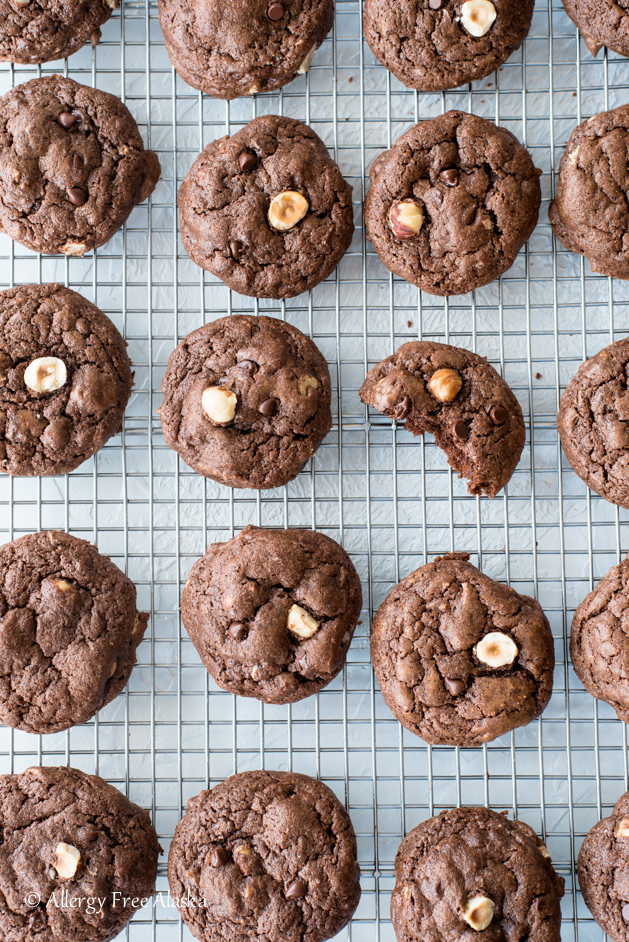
(477, 16)
(219, 404)
(406, 219)
(445, 385)
(307, 383)
(478, 911)
(45, 374)
(287, 209)
(301, 623)
(68, 860)
(496, 649)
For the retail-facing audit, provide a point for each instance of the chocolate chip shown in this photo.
(67, 120)
(268, 407)
(76, 195)
(455, 686)
(625, 912)
(247, 161)
(296, 890)
(460, 431)
(219, 857)
(77, 162)
(236, 250)
(499, 415)
(450, 177)
(434, 4)
(238, 631)
(275, 11)
(247, 365)
(402, 408)
(37, 921)
(469, 216)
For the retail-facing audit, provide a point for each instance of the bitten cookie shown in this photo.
(460, 399)
(599, 640)
(65, 380)
(72, 166)
(601, 23)
(244, 46)
(267, 210)
(246, 401)
(272, 612)
(452, 203)
(461, 659)
(67, 836)
(273, 857)
(593, 422)
(437, 44)
(473, 869)
(69, 629)
(590, 213)
(38, 32)
(603, 866)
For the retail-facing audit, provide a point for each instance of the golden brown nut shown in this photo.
(406, 219)
(445, 385)
(477, 16)
(287, 209)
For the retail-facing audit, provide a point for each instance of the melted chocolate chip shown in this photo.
(219, 857)
(268, 407)
(402, 408)
(625, 912)
(236, 250)
(499, 415)
(296, 890)
(275, 11)
(450, 177)
(247, 161)
(247, 365)
(455, 687)
(76, 195)
(77, 162)
(67, 120)
(238, 631)
(37, 921)
(469, 216)
(460, 431)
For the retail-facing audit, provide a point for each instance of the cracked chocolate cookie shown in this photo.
(601, 23)
(73, 848)
(473, 869)
(461, 659)
(433, 45)
(273, 857)
(267, 210)
(40, 30)
(593, 422)
(65, 380)
(72, 166)
(459, 398)
(603, 865)
(272, 612)
(590, 213)
(599, 640)
(245, 46)
(69, 629)
(452, 203)
(246, 401)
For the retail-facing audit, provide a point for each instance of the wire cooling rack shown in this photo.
(391, 500)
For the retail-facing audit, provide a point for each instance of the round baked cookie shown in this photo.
(461, 400)
(603, 865)
(471, 870)
(593, 422)
(244, 46)
(69, 629)
(272, 612)
(65, 380)
(72, 166)
(68, 836)
(267, 210)
(246, 401)
(461, 659)
(38, 32)
(272, 855)
(437, 44)
(452, 203)
(589, 214)
(601, 23)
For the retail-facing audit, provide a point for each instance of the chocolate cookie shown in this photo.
(603, 866)
(46, 29)
(246, 401)
(72, 166)
(461, 659)
(267, 210)
(244, 46)
(473, 869)
(270, 855)
(452, 203)
(593, 422)
(65, 380)
(460, 399)
(272, 612)
(599, 640)
(73, 849)
(437, 44)
(69, 629)
(590, 213)
(602, 23)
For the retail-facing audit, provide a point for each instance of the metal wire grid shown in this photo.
(391, 500)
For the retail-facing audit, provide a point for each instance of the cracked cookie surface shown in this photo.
(602, 23)
(429, 49)
(244, 46)
(459, 398)
(281, 385)
(602, 866)
(590, 213)
(437, 674)
(72, 166)
(244, 603)
(69, 629)
(272, 854)
(593, 422)
(478, 194)
(224, 205)
(41, 30)
(467, 853)
(48, 811)
(53, 431)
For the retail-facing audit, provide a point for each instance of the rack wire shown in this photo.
(390, 500)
